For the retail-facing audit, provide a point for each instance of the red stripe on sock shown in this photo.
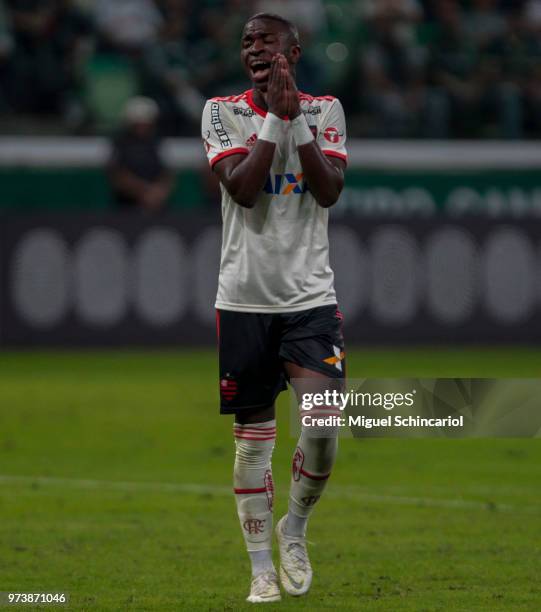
(245, 491)
(265, 434)
(243, 428)
(314, 476)
(244, 432)
(324, 411)
(255, 438)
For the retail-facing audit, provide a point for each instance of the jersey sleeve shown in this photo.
(332, 132)
(220, 135)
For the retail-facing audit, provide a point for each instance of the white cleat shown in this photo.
(295, 568)
(265, 588)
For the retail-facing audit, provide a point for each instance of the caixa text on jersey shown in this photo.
(285, 184)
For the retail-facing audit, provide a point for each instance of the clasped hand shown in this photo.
(282, 94)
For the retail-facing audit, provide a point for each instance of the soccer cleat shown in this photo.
(295, 568)
(265, 588)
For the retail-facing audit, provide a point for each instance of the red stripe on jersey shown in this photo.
(260, 111)
(248, 96)
(244, 491)
(235, 151)
(314, 476)
(309, 98)
(253, 105)
(234, 98)
(330, 153)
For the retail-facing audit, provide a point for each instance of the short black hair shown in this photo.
(293, 31)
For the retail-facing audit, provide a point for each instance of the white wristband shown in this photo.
(272, 129)
(301, 131)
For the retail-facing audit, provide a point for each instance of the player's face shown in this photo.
(261, 40)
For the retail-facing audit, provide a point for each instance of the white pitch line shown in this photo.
(117, 485)
(334, 491)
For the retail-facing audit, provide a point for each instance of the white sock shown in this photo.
(261, 561)
(295, 525)
(312, 464)
(254, 489)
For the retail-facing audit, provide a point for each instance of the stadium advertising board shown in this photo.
(397, 179)
(102, 280)
(398, 194)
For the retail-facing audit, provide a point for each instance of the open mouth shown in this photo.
(260, 70)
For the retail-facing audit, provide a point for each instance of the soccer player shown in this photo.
(280, 156)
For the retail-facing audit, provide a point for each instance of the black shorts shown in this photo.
(254, 346)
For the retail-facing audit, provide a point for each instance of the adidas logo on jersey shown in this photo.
(285, 184)
(250, 142)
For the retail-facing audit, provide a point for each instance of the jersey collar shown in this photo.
(255, 107)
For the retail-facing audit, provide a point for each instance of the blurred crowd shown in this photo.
(402, 68)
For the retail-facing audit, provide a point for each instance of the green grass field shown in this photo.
(115, 473)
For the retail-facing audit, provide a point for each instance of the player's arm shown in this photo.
(324, 175)
(244, 176)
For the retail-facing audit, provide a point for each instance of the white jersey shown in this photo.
(275, 256)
